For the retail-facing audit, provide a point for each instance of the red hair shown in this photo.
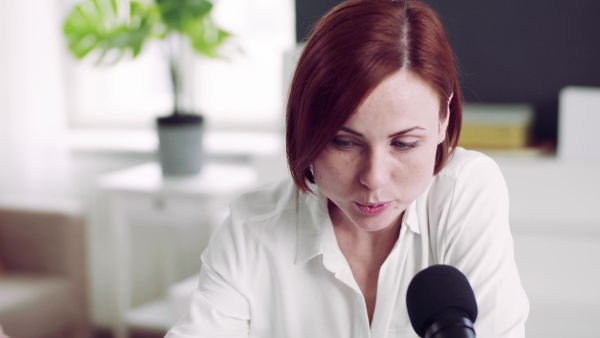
(352, 49)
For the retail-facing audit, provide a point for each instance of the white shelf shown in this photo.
(141, 194)
(214, 180)
(146, 141)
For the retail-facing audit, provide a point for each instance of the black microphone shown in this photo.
(441, 303)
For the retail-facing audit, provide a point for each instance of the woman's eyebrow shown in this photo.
(354, 132)
(402, 132)
(406, 131)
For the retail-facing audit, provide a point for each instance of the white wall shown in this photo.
(33, 150)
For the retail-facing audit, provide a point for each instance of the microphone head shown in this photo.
(436, 291)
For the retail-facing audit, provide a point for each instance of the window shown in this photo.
(244, 92)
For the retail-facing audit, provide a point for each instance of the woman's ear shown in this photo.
(443, 123)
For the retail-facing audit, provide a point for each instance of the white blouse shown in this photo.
(274, 268)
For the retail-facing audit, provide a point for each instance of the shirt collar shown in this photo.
(411, 219)
(313, 217)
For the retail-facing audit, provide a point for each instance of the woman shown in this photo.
(379, 191)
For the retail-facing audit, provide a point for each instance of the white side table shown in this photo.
(179, 212)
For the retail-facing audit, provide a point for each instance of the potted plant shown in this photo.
(105, 27)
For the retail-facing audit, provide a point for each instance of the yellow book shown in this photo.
(496, 126)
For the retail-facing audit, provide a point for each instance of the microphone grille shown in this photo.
(436, 292)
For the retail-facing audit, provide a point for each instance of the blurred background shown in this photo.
(96, 241)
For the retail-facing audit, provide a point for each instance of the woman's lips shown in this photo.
(372, 209)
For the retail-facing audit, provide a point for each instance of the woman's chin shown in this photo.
(385, 220)
(375, 223)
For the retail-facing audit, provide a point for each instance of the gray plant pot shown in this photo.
(180, 144)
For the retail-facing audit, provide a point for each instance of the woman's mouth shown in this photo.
(372, 209)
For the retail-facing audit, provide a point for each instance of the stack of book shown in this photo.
(496, 126)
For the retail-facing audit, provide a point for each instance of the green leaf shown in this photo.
(95, 24)
(114, 5)
(205, 36)
(177, 13)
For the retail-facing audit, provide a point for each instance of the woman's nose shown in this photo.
(376, 171)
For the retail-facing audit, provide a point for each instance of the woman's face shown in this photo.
(383, 157)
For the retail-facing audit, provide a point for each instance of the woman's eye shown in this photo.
(405, 145)
(342, 143)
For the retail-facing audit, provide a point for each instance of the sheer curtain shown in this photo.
(34, 157)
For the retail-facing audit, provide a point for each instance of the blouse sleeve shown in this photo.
(476, 239)
(219, 307)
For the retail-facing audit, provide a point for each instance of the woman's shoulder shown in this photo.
(467, 173)
(467, 198)
(266, 200)
(463, 161)
(257, 216)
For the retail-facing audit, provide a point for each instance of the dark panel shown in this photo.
(308, 12)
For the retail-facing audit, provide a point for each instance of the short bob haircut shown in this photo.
(351, 50)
